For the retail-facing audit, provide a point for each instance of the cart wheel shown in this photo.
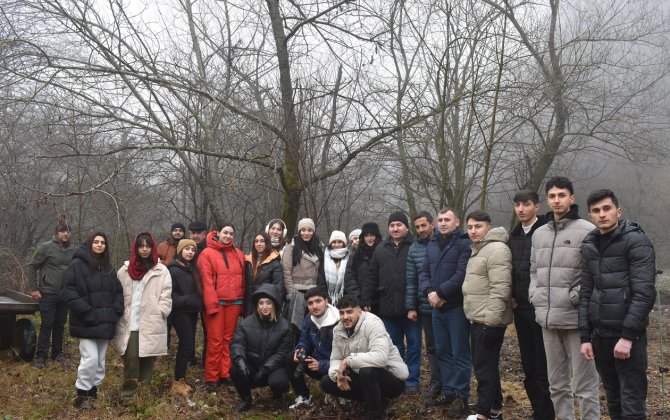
(25, 339)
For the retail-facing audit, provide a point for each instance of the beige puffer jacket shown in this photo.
(369, 346)
(155, 306)
(487, 289)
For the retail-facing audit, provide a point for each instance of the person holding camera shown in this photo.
(312, 354)
(260, 346)
(365, 365)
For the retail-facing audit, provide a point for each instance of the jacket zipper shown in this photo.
(551, 259)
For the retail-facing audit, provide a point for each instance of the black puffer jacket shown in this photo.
(185, 297)
(95, 298)
(383, 285)
(617, 287)
(520, 244)
(262, 343)
(269, 272)
(357, 267)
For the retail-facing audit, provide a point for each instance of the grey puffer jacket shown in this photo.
(618, 283)
(368, 346)
(556, 268)
(487, 289)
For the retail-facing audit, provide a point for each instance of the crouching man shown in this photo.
(364, 363)
(312, 354)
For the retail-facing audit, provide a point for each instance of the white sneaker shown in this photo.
(301, 402)
(472, 417)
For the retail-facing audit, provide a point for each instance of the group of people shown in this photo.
(351, 314)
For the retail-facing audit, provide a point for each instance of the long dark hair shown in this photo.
(99, 262)
(255, 256)
(197, 279)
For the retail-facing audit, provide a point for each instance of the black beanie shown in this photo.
(399, 216)
(178, 225)
(370, 227)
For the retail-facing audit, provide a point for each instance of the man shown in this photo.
(425, 228)
(383, 287)
(168, 248)
(529, 333)
(555, 272)
(50, 259)
(487, 302)
(365, 365)
(316, 342)
(197, 230)
(616, 295)
(442, 275)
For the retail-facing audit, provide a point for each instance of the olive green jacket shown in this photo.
(47, 266)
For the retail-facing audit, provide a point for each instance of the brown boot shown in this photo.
(180, 387)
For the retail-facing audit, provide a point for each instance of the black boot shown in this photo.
(93, 392)
(244, 405)
(81, 402)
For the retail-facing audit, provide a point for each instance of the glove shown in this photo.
(260, 375)
(490, 337)
(242, 366)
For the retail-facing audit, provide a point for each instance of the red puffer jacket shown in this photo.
(222, 271)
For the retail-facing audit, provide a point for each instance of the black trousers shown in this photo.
(184, 324)
(53, 313)
(372, 385)
(534, 363)
(485, 344)
(277, 380)
(433, 366)
(625, 381)
(299, 385)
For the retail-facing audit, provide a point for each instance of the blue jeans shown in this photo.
(452, 344)
(400, 329)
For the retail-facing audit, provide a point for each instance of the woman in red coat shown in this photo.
(222, 270)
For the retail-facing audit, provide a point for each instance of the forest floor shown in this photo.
(29, 393)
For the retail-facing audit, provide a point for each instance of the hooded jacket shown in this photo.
(383, 284)
(263, 344)
(269, 271)
(617, 289)
(222, 271)
(317, 340)
(520, 243)
(487, 289)
(95, 298)
(369, 345)
(185, 297)
(443, 270)
(50, 260)
(155, 306)
(556, 269)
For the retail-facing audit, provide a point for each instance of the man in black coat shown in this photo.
(383, 287)
(617, 293)
(529, 332)
(261, 343)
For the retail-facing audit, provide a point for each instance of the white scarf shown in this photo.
(335, 275)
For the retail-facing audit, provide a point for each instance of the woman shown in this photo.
(276, 228)
(263, 266)
(358, 264)
(186, 305)
(302, 261)
(260, 347)
(95, 298)
(141, 334)
(221, 267)
(334, 265)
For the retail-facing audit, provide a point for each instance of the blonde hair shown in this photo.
(273, 314)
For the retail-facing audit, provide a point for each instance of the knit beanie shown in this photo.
(178, 225)
(337, 236)
(399, 216)
(306, 223)
(184, 243)
(371, 227)
(355, 232)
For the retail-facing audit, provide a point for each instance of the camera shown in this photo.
(302, 364)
